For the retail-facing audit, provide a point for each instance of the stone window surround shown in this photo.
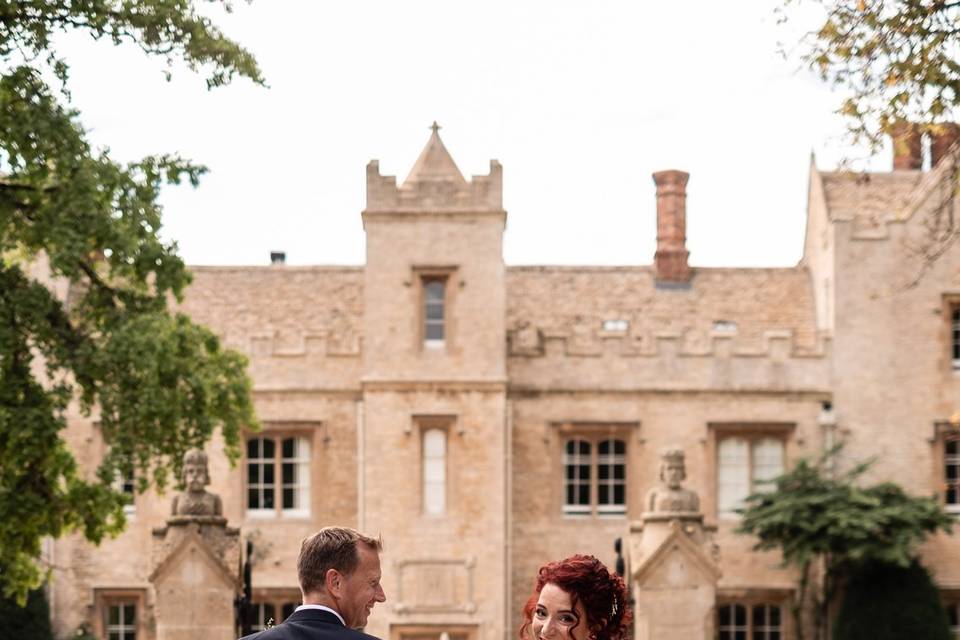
(105, 597)
(950, 315)
(423, 274)
(277, 597)
(953, 320)
(594, 432)
(422, 423)
(943, 430)
(278, 430)
(745, 429)
(752, 597)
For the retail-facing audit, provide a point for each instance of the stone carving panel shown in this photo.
(526, 340)
(435, 585)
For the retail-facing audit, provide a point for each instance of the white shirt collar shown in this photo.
(322, 608)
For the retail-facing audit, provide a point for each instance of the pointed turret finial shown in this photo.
(435, 163)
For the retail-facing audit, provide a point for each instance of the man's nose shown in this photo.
(381, 595)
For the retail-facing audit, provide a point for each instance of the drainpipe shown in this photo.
(508, 517)
(828, 424)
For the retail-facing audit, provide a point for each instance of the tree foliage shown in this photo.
(888, 602)
(829, 524)
(895, 59)
(157, 383)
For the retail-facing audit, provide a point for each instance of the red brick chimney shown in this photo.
(942, 138)
(670, 259)
(907, 147)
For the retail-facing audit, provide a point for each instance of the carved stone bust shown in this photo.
(196, 500)
(671, 497)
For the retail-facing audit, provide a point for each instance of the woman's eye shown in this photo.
(540, 613)
(567, 619)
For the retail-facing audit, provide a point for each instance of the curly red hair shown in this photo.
(603, 595)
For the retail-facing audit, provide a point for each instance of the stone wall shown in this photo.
(893, 379)
(535, 355)
(651, 422)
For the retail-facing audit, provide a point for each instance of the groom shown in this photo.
(339, 571)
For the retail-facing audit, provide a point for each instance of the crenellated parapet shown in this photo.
(296, 344)
(481, 193)
(872, 204)
(527, 341)
(665, 360)
(434, 185)
(868, 225)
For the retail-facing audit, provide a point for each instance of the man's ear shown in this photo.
(333, 582)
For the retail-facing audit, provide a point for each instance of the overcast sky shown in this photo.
(580, 101)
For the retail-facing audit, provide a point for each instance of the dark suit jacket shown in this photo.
(310, 624)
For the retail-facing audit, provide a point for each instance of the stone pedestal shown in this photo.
(673, 561)
(195, 578)
(674, 576)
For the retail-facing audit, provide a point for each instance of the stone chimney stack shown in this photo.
(670, 259)
(942, 138)
(907, 146)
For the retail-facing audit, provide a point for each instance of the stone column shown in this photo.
(673, 562)
(195, 559)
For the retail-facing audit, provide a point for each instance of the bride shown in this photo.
(577, 599)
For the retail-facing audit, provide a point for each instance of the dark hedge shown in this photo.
(31, 622)
(888, 602)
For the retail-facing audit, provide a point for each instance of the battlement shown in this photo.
(435, 184)
(526, 341)
(318, 359)
(479, 193)
(296, 344)
(616, 360)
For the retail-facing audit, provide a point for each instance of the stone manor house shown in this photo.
(486, 419)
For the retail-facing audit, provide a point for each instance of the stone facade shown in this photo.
(436, 394)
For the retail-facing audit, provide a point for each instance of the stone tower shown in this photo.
(431, 447)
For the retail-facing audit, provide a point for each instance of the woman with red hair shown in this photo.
(577, 599)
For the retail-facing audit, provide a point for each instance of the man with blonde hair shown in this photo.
(339, 573)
